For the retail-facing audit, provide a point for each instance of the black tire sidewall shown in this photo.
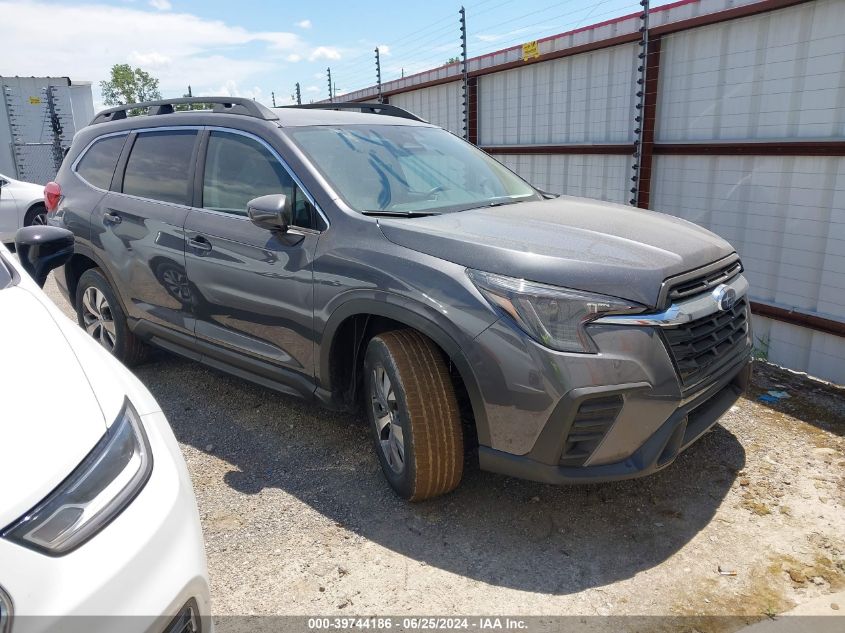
(30, 215)
(378, 354)
(93, 277)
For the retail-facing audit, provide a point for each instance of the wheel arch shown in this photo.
(29, 208)
(83, 259)
(354, 322)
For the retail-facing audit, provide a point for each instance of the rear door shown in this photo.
(254, 285)
(139, 226)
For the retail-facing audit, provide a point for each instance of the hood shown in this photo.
(572, 242)
(51, 417)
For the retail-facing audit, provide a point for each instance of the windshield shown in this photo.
(405, 169)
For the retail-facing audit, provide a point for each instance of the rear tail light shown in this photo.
(52, 196)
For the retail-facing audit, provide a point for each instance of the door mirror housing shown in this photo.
(42, 249)
(271, 212)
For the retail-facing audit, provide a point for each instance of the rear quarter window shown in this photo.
(98, 163)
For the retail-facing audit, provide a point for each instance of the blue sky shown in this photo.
(254, 49)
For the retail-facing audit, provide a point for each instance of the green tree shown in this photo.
(452, 60)
(129, 85)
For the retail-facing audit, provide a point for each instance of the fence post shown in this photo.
(378, 77)
(641, 94)
(465, 100)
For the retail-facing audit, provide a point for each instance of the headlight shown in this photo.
(93, 494)
(550, 315)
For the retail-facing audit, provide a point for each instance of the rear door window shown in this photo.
(159, 166)
(98, 163)
(239, 168)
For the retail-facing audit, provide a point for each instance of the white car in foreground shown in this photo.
(97, 513)
(21, 204)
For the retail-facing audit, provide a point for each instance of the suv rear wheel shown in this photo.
(99, 313)
(414, 415)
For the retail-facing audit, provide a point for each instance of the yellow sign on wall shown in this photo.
(35, 101)
(530, 50)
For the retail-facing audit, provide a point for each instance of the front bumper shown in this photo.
(135, 575)
(637, 409)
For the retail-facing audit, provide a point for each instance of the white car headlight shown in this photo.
(93, 494)
(552, 316)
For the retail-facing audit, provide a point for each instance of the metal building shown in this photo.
(743, 131)
(38, 118)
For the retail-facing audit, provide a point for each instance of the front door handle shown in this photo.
(200, 244)
(112, 218)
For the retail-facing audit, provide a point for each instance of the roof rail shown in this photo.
(369, 108)
(222, 105)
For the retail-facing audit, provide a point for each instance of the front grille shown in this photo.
(702, 347)
(703, 283)
(592, 422)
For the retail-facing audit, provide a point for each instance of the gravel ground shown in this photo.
(298, 520)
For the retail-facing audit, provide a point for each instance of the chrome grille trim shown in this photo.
(678, 313)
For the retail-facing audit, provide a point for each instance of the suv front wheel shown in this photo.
(414, 415)
(99, 313)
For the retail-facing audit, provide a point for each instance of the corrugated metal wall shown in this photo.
(581, 99)
(587, 175)
(440, 105)
(777, 75)
(23, 107)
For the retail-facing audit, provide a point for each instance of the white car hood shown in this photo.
(51, 417)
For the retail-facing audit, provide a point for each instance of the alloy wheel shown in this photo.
(387, 419)
(97, 317)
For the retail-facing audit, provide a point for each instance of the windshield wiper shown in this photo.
(399, 214)
(499, 202)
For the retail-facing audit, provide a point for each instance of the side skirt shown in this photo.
(231, 362)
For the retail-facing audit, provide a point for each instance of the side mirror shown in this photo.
(271, 212)
(43, 248)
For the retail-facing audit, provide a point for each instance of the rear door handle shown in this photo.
(111, 217)
(200, 244)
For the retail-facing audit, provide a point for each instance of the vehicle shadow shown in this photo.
(816, 403)
(554, 540)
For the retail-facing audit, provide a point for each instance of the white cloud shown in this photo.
(149, 60)
(178, 48)
(304, 24)
(324, 52)
(161, 5)
(383, 50)
(312, 89)
(231, 89)
(294, 57)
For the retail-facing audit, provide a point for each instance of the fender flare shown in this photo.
(413, 314)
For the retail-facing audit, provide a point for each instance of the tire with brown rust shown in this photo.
(414, 416)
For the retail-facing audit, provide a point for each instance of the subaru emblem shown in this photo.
(725, 297)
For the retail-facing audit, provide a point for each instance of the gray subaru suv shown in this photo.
(354, 254)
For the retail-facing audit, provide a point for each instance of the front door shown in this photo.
(253, 286)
